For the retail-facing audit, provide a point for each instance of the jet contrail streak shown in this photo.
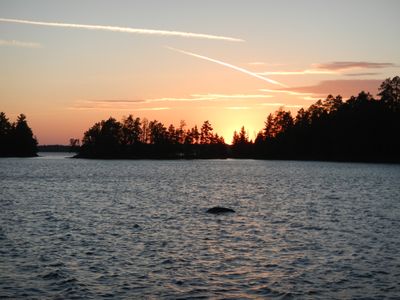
(229, 66)
(126, 30)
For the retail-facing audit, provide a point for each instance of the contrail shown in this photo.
(229, 66)
(126, 30)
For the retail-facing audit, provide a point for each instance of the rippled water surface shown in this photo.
(138, 229)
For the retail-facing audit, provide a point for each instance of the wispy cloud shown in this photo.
(337, 67)
(238, 107)
(129, 104)
(228, 65)
(362, 74)
(294, 105)
(256, 63)
(192, 98)
(347, 65)
(288, 92)
(260, 63)
(346, 88)
(152, 108)
(232, 96)
(273, 104)
(114, 108)
(115, 101)
(15, 43)
(279, 104)
(125, 29)
(150, 100)
(309, 98)
(300, 72)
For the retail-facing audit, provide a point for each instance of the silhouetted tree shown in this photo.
(206, 133)
(104, 139)
(25, 144)
(195, 134)
(131, 130)
(145, 132)
(389, 91)
(180, 132)
(74, 145)
(241, 146)
(277, 123)
(16, 139)
(5, 135)
(158, 133)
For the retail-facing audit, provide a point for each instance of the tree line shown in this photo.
(136, 138)
(360, 129)
(16, 139)
(363, 128)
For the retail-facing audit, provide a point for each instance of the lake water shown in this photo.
(74, 228)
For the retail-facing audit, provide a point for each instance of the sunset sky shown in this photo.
(68, 64)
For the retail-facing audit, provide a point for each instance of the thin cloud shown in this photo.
(172, 99)
(116, 101)
(151, 100)
(116, 108)
(347, 65)
(278, 104)
(273, 104)
(333, 68)
(152, 108)
(308, 98)
(228, 65)
(15, 43)
(192, 98)
(346, 88)
(232, 96)
(301, 72)
(257, 63)
(129, 104)
(294, 106)
(289, 92)
(260, 63)
(238, 107)
(362, 74)
(125, 29)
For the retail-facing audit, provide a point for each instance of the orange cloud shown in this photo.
(347, 65)
(346, 88)
(337, 67)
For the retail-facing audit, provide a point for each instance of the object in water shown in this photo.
(219, 210)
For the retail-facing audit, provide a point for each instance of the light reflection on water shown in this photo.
(125, 229)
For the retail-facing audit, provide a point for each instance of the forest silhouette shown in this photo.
(360, 129)
(16, 139)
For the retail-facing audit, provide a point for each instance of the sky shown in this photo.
(69, 64)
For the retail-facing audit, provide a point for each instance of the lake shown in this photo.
(75, 228)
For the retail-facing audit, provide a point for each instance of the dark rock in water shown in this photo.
(136, 226)
(219, 210)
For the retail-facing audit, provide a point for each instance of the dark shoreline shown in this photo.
(370, 161)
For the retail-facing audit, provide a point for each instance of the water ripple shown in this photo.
(73, 229)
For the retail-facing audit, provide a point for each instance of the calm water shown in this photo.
(138, 229)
